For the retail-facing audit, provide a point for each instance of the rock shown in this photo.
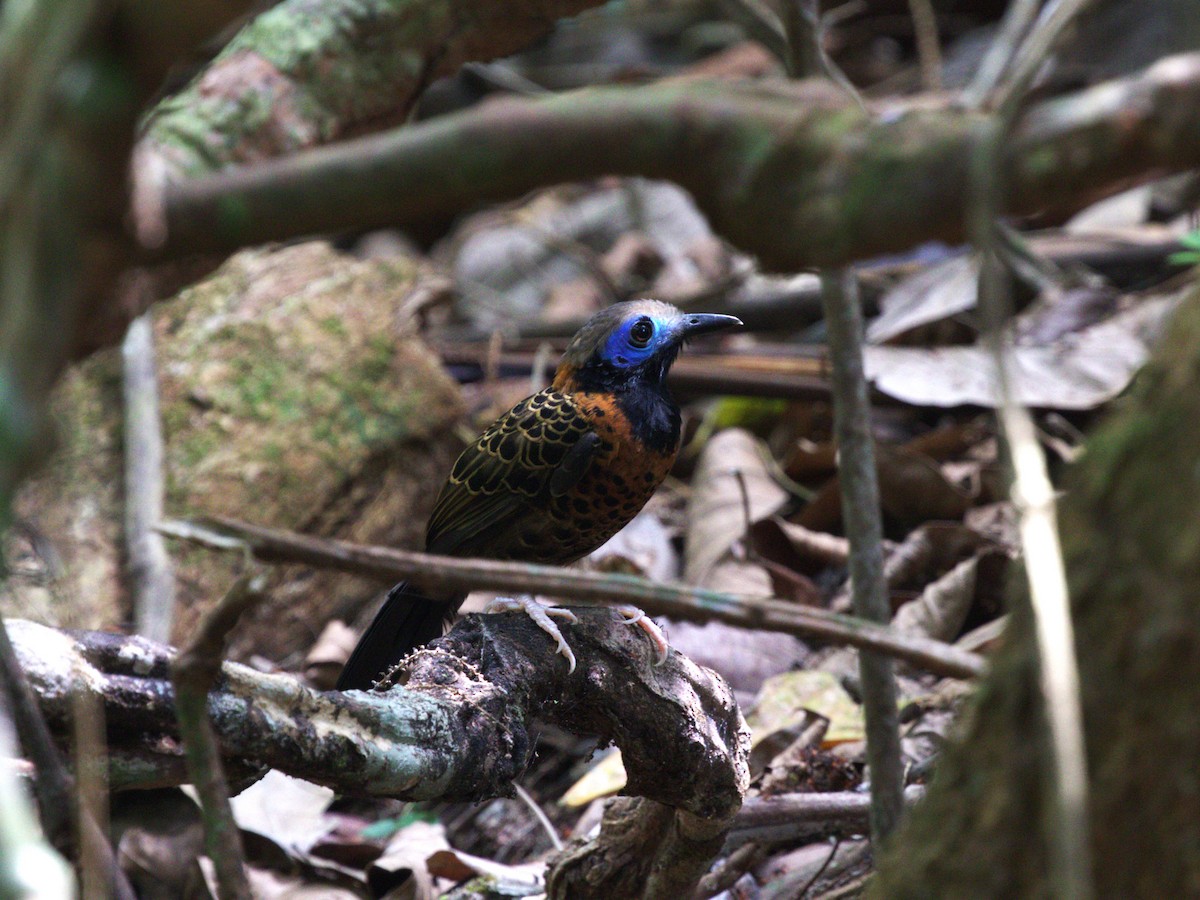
(292, 397)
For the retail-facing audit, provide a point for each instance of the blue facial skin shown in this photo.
(619, 350)
(634, 376)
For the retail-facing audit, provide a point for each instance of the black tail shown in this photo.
(406, 621)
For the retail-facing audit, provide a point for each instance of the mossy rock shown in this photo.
(294, 394)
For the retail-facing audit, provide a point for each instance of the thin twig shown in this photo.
(91, 787)
(859, 481)
(929, 50)
(803, 892)
(802, 26)
(1033, 492)
(1000, 53)
(540, 815)
(676, 601)
(153, 581)
(805, 34)
(800, 812)
(193, 672)
(1032, 55)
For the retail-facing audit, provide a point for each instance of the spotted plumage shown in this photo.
(558, 474)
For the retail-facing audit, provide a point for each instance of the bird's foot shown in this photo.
(635, 616)
(543, 616)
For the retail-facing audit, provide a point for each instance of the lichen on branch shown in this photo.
(454, 722)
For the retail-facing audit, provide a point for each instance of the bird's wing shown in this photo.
(538, 449)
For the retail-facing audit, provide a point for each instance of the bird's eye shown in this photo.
(641, 332)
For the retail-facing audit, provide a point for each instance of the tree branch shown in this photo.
(859, 481)
(676, 601)
(798, 174)
(292, 79)
(453, 724)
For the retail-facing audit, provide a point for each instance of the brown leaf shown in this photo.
(158, 837)
(407, 861)
(330, 652)
(941, 609)
(1077, 371)
(732, 488)
(912, 490)
(798, 548)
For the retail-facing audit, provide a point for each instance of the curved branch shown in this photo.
(302, 73)
(454, 724)
(677, 601)
(797, 174)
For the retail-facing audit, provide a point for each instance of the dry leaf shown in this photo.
(812, 551)
(506, 880)
(912, 490)
(289, 811)
(942, 608)
(785, 700)
(935, 293)
(158, 837)
(405, 862)
(1078, 371)
(732, 487)
(604, 778)
(643, 547)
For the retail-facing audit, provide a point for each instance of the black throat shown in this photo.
(641, 395)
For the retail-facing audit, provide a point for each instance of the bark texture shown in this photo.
(797, 174)
(454, 723)
(307, 71)
(1132, 542)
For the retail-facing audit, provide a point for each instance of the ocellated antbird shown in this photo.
(557, 475)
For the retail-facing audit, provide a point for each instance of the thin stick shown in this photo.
(859, 483)
(1000, 53)
(91, 784)
(801, 810)
(806, 47)
(1033, 493)
(802, 25)
(193, 672)
(540, 815)
(676, 601)
(929, 50)
(803, 892)
(153, 581)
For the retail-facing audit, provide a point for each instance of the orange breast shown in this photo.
(623, 476)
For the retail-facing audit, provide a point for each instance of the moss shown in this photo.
(282, 381)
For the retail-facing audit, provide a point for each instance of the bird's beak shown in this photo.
(693, 324)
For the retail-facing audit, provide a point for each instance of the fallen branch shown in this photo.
(453, 723)
(797, 175)
(801, 813)
(675, 601)
(436, 735)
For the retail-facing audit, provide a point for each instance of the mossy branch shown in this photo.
(798, 174)
(301, 74)
(452, 723)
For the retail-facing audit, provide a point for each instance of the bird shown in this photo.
(554, 477)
